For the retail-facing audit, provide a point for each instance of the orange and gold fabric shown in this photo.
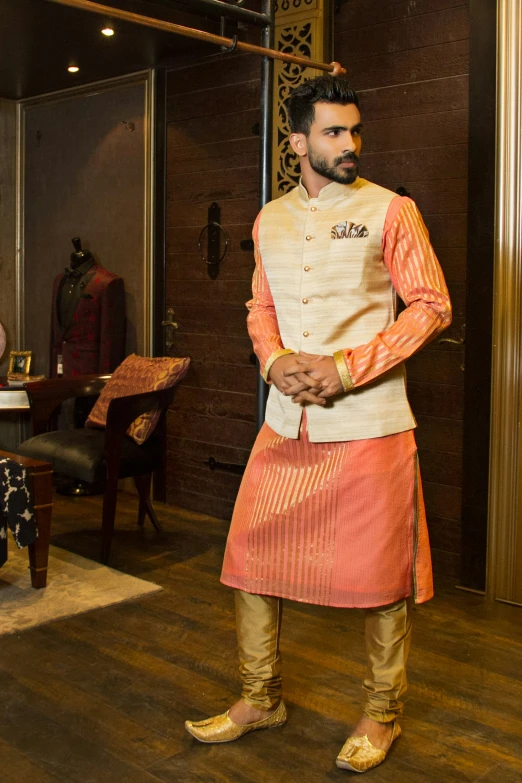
(337, 524)
(418, 280)
(137, 374)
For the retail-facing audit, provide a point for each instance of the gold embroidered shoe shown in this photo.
(221, 728)
(359, 755)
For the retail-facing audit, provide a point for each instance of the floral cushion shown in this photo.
(138, 374)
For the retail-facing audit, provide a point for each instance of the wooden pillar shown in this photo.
(505, 521)
(479, 292)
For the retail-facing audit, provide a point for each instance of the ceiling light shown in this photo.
(108, 31)
(73, 69)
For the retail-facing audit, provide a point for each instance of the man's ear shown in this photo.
(299, 144)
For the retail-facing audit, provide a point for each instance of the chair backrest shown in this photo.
(124, 410)
(45, 397)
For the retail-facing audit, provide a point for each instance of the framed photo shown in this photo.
(19, 363)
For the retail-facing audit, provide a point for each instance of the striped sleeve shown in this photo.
(262, 323)
(419, 281)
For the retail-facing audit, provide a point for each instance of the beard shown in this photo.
(331, 170)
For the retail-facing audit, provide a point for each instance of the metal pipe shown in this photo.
(266, 101)
(265, 159)
(189, 32)
(219, 8)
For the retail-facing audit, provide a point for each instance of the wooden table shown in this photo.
(40, 477)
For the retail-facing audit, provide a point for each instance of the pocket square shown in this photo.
(348, 230)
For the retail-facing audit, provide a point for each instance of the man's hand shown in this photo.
(296, 382)
(321, 369)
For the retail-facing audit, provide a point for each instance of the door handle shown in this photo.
(170, 326)
(461, 341)
(453, 340)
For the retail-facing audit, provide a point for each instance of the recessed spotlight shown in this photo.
(108, 31)
(73, 69)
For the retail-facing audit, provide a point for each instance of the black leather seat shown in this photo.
(99, 455)
(80, 454)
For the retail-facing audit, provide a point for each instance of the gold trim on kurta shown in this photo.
(415, 527)
(342, 369)
(271, 359)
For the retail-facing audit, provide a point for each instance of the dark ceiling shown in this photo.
(39, 40)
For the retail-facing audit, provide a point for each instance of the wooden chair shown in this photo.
(93, 454)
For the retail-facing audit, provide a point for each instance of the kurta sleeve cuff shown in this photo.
(271, 359)
(342, 369)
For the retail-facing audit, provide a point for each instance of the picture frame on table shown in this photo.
(19, 364)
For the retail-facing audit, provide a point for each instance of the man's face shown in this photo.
(334, 142)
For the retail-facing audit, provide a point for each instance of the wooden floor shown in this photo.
(101, 697)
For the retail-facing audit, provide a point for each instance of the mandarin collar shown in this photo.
(330, 194)
(85, 266)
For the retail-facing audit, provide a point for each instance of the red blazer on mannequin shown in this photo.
(93, 339)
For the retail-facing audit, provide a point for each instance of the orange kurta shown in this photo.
(338, 524)
(343, 523)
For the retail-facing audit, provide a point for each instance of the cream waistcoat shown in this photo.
(324, 263)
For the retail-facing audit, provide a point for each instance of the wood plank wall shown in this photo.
(408, 60)
(212, 155)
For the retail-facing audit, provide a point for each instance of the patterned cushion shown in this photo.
(135, 375)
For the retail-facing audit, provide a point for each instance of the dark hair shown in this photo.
(322, 89)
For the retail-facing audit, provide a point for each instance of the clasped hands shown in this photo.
(306, 377)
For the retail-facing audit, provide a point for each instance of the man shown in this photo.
(330, 509)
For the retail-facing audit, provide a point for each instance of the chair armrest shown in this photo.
(122, 412)
(45, 397)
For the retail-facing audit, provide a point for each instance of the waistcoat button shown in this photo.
(308, 238)
(305, 334)
(307, 269)
(313, 209)
(305, 301)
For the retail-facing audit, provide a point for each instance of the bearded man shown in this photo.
(330, 510)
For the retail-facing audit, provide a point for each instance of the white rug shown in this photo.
(74, 585)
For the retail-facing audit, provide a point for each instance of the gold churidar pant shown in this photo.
(387, 633)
